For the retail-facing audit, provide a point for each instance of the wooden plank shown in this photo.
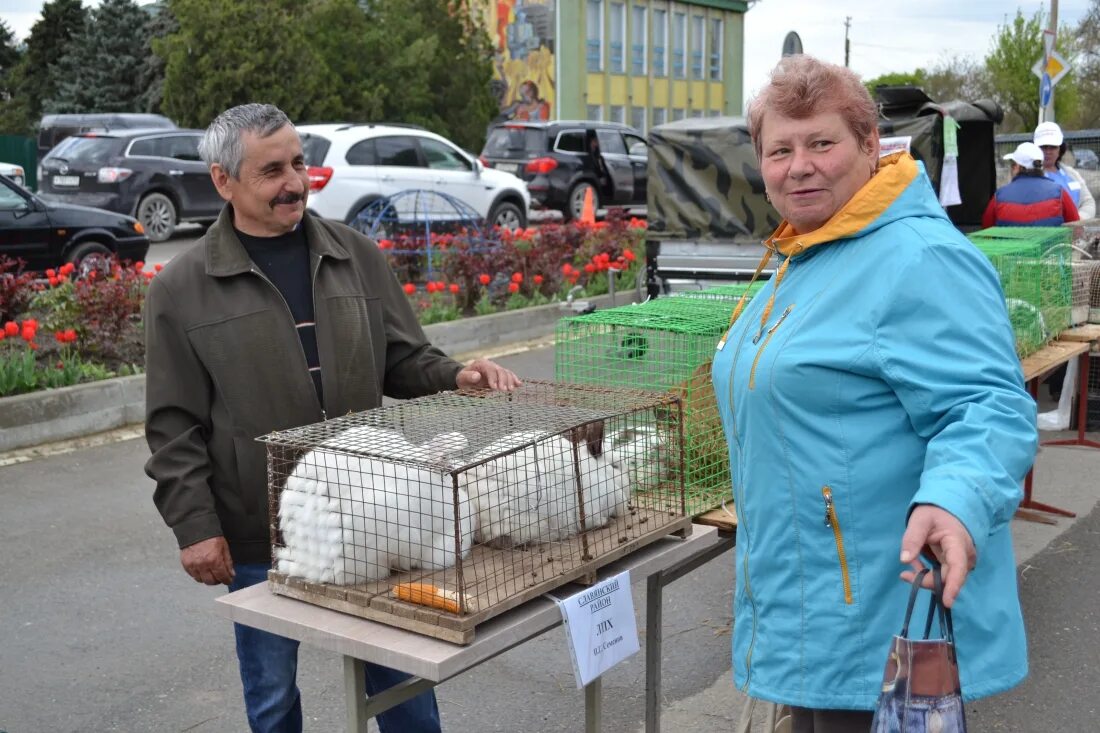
(1051, 356)
(495, 580)
(1088, 332)
(723, 518)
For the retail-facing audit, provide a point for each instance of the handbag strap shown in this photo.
(935, 606)
(912, 601)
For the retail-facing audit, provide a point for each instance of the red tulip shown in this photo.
(410, 288)
(538, 279)
(455, 288)
(484, 279)
(513, 287)
(158, 267)
(139, 266)
(517, 277)
(54, 282)
(628, 254)
(51, 272)
(589, 268)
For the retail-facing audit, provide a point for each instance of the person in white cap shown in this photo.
(1029, 199)
(1049, 138)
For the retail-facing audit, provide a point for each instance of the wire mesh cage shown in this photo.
(1037, 281)
(665, 344)
(730, 292)
(417, 227)
(437, 513)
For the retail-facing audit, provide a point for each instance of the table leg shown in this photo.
(593, 706)
(1082, 408)
(653, 641)
(1024, 511)
(355, 695)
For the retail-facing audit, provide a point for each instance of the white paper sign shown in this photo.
(600, 627)
(889, 145)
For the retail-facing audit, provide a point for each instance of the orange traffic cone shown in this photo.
(588, 211)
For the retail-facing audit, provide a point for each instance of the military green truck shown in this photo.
(707, 215)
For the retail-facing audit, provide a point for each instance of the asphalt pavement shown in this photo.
(100, 630)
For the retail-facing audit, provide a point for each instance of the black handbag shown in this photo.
(920, 687)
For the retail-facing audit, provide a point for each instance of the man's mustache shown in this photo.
(287, 198)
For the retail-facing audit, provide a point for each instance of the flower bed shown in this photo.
(61, 330)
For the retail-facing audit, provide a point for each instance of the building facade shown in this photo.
(640, 62)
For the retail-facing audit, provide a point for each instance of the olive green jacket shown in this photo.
(224, 365)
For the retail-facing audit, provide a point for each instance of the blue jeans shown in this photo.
(269, 668)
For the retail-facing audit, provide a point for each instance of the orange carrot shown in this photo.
(423, 594)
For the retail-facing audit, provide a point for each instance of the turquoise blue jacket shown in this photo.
(876, 371)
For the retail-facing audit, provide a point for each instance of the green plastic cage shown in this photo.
(1036, 278)
(665, 344)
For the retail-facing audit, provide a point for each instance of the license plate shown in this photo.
(508, 167)
(66, 180)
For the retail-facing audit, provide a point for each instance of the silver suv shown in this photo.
(353, 165)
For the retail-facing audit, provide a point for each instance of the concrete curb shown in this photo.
(72, 412)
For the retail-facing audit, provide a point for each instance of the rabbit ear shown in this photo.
(591, 434)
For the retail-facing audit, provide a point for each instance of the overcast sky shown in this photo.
(886, 35)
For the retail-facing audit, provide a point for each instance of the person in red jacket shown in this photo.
(1028, 200)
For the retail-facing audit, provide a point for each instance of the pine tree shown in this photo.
(34, 79)
(161, 24)
(102, 70)
(9, 58)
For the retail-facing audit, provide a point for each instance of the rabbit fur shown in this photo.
(529, 494)
(348, 519)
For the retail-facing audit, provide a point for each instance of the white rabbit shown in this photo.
(349, 519)
(529, 495)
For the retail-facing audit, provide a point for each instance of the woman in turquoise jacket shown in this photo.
(873, 404)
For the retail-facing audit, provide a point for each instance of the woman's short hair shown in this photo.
(803, 86)
(222, 144)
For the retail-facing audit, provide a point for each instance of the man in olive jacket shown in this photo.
(274, 319)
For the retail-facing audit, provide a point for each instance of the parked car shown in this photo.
(48, 234)
(14, 172)
(560, 161)
(353, 165)
(153, 175)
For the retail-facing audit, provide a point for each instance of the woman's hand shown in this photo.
(484, 373)
(949, 541)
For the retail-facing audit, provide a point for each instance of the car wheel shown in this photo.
(576, 201)
(90, 256)
(507, 215)
(157, 214)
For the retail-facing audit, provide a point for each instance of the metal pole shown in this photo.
(847, 43)
(1048, 111)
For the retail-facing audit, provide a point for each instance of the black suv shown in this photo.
(561, 160)
(151, 174)
(49, 235)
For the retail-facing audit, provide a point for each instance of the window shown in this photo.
(696, 113)
(637, 44)
(514, 142)
(660, 115)
(618, 113)
(315, 148)
(660, 41)
(594, 28)
(146, 148)
(361, 153)
(593, 112)
(632, 143)
(397, 150)
(697, 47)
(715, 45)
(618, 38)
(677, 113)
(611, 141)
(442, 157)
(10, 200)
(182, 147)
(714, 113)
(637, 118)
(679, 38)
(570, 142)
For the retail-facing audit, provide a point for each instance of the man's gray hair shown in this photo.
(222, 144)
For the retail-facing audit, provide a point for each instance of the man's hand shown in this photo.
(484, 373)
(949, 541)
(208, 561)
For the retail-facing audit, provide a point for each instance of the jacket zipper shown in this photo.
(316, 330)
(290, 313)
(760, 351)
(834, 523)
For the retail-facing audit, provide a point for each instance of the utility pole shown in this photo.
(1048, 111)
(848, 45)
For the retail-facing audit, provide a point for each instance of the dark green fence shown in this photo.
(21, 151)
